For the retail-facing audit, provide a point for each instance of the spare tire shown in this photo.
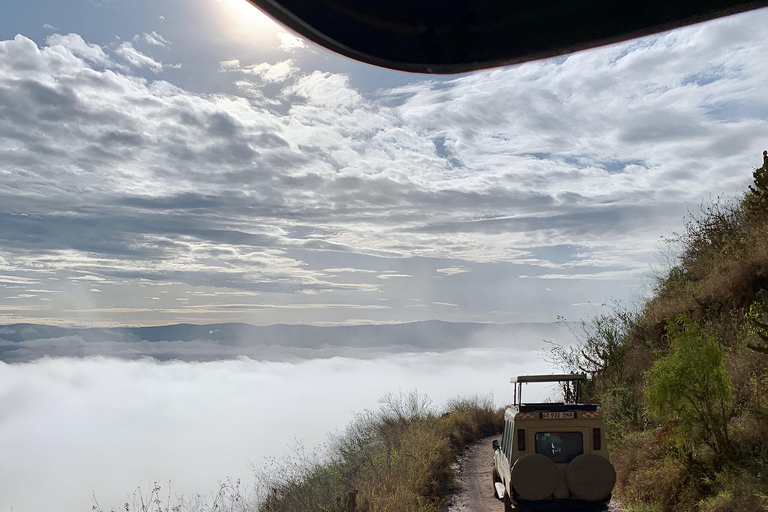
(534, 477)
(590, 477)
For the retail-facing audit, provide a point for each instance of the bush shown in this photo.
(602, 351)
(691, 387)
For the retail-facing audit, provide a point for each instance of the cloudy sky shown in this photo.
(165, 161)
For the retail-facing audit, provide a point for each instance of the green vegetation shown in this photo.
(691, 386)
(682, 378)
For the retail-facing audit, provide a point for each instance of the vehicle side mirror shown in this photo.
(495, 445)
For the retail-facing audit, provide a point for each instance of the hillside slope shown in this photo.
(682, 378)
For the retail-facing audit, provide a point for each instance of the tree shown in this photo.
(600, 348)
(600, 352)
(692, 386)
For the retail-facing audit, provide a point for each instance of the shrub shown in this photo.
(692, 387)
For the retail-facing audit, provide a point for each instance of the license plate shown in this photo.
(557, 415)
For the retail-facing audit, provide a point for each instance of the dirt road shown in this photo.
(475, 468)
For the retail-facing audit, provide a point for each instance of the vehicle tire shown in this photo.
(591, 477)
(508, 506)
(534, 477)
(603, 504)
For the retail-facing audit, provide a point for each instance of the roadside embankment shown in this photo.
(397, 458)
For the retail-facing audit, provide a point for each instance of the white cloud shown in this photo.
(17, 280)
(603, 276)
(74, 45)
(230, 64)
(392, 276)
(25, 308)
(137, 59)
(347, 270)
(273, 72)
(87, 278)
(325, 90)
(153, 38)
(452, 271)
(213, 307)
(270, 73)
(290, 42)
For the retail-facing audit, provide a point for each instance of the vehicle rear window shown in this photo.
(560, 446)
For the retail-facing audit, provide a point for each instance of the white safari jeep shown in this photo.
(553, 453)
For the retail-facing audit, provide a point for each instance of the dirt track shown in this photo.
(475, 468)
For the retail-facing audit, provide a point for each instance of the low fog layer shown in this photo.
(77, 426)
(26, 342)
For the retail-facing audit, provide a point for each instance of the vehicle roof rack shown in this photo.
(548, 378)
(569, 398)
(555, 407)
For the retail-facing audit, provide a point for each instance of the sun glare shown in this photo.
(244, 22)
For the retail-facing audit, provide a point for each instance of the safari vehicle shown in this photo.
(553, 453)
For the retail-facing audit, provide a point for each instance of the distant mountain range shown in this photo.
(25, 342)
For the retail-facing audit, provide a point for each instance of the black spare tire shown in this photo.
(590, 477)
(534, 477)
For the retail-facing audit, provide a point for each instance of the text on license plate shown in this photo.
(557, 415)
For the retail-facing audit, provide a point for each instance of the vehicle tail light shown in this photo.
(596, 443)
(521, 439)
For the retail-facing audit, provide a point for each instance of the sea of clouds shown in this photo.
(72, 428)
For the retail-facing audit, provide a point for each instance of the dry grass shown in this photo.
(232, 496)
(736, 491)
(397, 459)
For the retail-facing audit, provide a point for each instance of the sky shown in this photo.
(166, 161)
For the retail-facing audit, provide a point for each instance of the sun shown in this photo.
(244, 22)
